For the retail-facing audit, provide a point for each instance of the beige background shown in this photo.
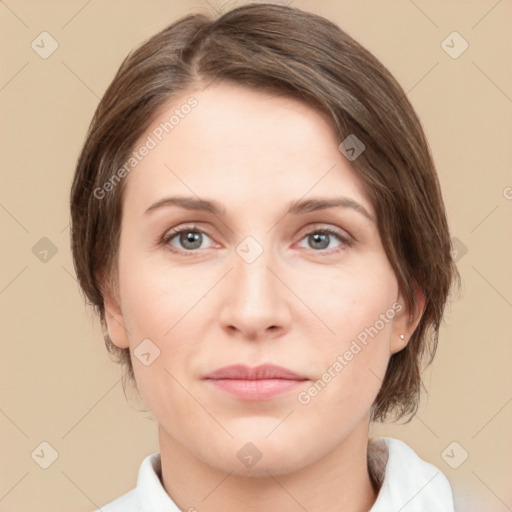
(57, 383)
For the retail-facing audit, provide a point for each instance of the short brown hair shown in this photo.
(281, 50)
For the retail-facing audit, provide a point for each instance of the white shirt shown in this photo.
(409, 484)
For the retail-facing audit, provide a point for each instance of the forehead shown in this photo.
(237, 144)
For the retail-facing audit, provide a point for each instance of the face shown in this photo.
(265, 278)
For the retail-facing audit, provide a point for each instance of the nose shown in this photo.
(255, 305)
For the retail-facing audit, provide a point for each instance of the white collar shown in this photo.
(409, 484)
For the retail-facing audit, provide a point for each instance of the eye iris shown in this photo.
(321, 239)
(192, 237)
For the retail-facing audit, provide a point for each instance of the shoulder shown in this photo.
(409, 483)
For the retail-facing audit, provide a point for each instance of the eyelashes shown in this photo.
(327, 234)
(193, 235)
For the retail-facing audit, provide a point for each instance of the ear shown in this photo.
(405, 321)
(113, 313)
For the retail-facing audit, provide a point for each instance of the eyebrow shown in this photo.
(298, 207)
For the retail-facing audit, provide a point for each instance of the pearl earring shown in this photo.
(402, 336)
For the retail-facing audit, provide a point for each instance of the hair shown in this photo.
(286, 51)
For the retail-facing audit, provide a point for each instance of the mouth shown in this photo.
(262, 382)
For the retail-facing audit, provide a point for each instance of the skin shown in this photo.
(298, 305)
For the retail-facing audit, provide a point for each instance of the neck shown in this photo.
(338, 482)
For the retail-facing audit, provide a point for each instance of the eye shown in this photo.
(189, 238)
(320, 240)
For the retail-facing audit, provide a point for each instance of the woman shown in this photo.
(257, 219)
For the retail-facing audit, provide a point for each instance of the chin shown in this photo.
(261, 456)
(269, 465)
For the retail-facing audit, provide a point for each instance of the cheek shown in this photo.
(166, 306)
(355, 350)
(351, 301)
(155, 298)
(349, 378)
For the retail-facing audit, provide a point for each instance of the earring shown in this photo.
(402, 336)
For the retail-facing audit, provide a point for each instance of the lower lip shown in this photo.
(261, 389)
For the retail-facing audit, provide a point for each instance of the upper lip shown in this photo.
(264, 371)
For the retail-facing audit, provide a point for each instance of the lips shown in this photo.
(264, 371)
(262, 382)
